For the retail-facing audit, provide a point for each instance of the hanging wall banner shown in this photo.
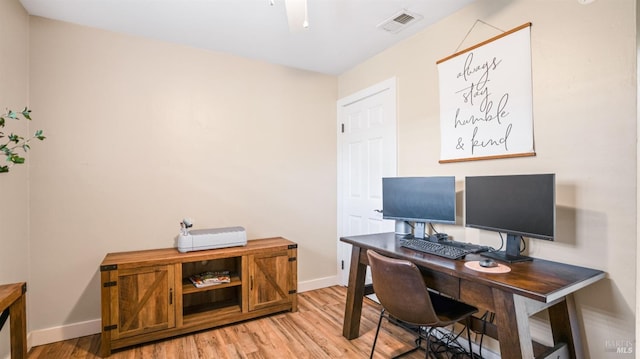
(486, 100)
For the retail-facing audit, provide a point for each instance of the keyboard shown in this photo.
(473, 248)
(438, 249)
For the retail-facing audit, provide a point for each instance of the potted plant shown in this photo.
(14, 144)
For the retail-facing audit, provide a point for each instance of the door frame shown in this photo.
(386, 85)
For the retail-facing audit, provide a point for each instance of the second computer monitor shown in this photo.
(420, 200)
(517, 205)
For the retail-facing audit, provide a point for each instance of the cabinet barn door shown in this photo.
(269, 276)
(144, 300)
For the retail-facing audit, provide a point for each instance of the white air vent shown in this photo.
(399, 21)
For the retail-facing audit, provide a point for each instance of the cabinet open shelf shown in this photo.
(211, 308)
(188, 287)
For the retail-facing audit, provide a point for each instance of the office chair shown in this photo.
(402, 292)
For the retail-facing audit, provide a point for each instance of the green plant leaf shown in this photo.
(12, 115)
(1, 121)
(4, 169)
(16, 159)
(26, 113)
(15, 138)
(39, 135)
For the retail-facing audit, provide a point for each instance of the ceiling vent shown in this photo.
(399, 21)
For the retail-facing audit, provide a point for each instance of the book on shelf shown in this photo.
(206, 279)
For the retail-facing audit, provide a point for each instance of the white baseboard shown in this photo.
(317, 284)
(63, 332)
(90, 327)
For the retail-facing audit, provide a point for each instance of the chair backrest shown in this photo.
(401, 290)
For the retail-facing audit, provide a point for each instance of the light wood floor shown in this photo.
(315, 331)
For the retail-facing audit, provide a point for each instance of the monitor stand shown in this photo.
(402, 228)
(512, 253)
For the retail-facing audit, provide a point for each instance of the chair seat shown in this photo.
(450, 310)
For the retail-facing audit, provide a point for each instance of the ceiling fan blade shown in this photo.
(297, 14)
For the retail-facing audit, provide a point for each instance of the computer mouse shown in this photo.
(488, 263)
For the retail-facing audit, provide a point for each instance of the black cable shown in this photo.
(484, 330)
(524, 244)
(501, 243)
(492, 317)
(447, 342)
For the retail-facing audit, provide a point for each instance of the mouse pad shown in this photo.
(475, 265)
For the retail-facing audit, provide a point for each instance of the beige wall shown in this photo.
(14, 189)
(584, 93)
(143, 134)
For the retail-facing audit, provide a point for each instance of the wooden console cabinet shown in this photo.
(146, 295)
(13, 302)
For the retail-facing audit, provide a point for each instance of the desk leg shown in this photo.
(564, 326)
(355, 295)
(512, 321)
(18, 327)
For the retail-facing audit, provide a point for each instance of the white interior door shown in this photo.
(366, 153)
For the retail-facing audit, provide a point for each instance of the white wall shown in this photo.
(584, 98)
(143, 134)
(14, 190)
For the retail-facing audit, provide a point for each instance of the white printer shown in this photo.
(201, 239)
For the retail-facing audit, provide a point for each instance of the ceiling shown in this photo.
(341, 33)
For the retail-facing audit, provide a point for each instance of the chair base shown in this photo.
(424, 334)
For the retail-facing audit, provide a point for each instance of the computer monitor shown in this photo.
(518, 205)
(420, 200)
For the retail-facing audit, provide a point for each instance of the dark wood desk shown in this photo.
(12, 298)
(529, 288)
